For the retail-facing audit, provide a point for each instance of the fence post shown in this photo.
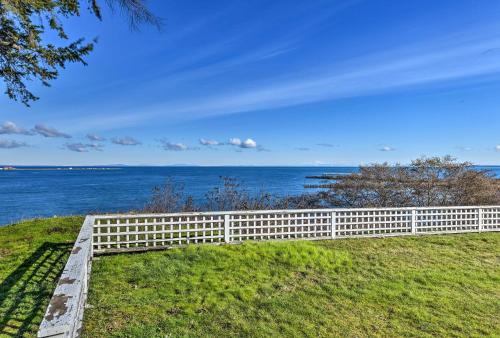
(334, 224)
(480, 219)
(226, 229)
(413, 221)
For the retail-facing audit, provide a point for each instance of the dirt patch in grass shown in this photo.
(4, 252)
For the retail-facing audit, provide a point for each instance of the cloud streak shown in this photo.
(326, 145)
(125, 141)
(170, 146)
(46, 131)
(11, 144)
(444, 60)
(206, 142)
(9, 128)
(95, 137)
(83, 147)
(387, 148)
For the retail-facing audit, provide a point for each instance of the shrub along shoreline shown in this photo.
(425, 182)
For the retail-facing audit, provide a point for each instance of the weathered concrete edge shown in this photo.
(64, 315)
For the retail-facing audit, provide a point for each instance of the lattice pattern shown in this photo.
(490, 217)
(372, 222)
(280, 225)
(168, 230)
(142, 232)
(447, 220)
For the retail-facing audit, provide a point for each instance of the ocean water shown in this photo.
(46, 191)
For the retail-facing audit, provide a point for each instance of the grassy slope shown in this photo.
(413, 286)
(32, 256)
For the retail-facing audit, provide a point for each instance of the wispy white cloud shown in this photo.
(387, 148)
(444, 60)
(302, 149)
(170, 146)
(206, 142)
(11, 128)
(95, 146)
(125, 141)
(326, 145)
(497, 148)
(46, 131)
(11, 144)
(83, 147)
(261, 148)
(95, 137)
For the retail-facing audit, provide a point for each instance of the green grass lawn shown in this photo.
(32, 256)
(414, 286)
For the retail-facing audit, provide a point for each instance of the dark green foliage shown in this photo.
(24, 53)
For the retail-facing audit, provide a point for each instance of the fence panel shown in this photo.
(490, 218)
(372, 222)
(447, 220)
(118, 233)
(280, 224)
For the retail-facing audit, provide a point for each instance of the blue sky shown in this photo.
(272, 83)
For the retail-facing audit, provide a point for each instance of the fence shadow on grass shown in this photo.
(25, 293)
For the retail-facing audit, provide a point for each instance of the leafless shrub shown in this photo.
(169, 198)
(303, 201)
(425, 182)
(231, 195)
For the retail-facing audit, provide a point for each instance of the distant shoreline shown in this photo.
(54, 169)
(120, 166)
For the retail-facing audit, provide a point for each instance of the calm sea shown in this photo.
(46, 191)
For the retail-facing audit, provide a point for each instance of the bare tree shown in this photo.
(436, 181)
(168, 198)
(231, 195)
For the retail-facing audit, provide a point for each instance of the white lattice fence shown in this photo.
(373, 222)
(445, 220)
(281, 224)
(143, 232)
(490, 218)
(150, 231)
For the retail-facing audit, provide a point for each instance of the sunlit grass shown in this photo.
(32, 256)
(413, 286)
